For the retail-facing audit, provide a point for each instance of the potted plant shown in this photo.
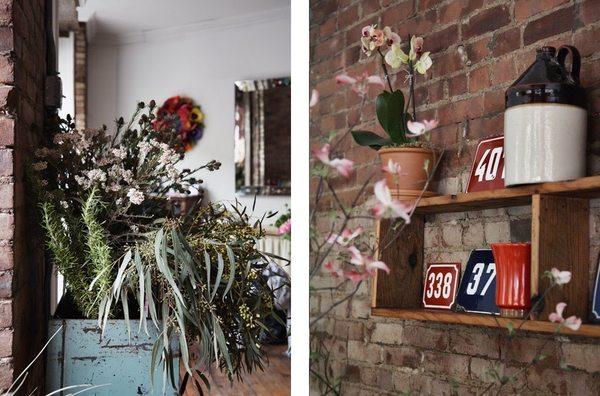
(405, 151)
(192, 283)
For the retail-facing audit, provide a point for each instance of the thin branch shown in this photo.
(335, 304)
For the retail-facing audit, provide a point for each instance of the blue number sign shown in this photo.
(477, 292)
(596, 300)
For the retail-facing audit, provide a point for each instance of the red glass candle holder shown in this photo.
(513, 278)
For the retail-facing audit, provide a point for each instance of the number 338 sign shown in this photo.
(441, 282)
(487, 172)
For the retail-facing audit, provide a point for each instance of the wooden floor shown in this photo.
(273, 381)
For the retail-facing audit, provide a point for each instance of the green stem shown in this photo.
(385, 70)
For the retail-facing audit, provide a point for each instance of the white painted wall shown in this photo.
(66, 71)
(201, 63)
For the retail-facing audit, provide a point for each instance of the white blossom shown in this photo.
(96, 175)
(120, 153)
(135, 196)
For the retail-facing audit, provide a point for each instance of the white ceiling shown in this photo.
(126, 17)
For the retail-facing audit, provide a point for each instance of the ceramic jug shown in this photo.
(545, 122)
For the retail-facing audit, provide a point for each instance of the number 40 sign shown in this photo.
(487, 172)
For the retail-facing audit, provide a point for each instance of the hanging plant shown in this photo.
(181, 114)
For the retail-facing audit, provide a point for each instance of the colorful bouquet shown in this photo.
(183, 115)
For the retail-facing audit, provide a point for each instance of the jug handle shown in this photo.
(561, 56)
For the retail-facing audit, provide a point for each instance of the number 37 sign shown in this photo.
(487, 172)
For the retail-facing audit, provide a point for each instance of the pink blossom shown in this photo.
(314, 98)
(391, 38)
(416, 46)
(356, 257)
(361, 260)
(560, 277)
(322, 154)
(388, 207)
(392, 167)
(285, 228)
(345, 237)
(377, 37)
(373, 266)
(359, 84)
(572, 322)
(342, 165)
(419, 128)
(333, 268)
(366, 30)
(355, 276)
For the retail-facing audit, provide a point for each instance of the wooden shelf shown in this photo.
(557, 239)
(587, 330)
(586, 187)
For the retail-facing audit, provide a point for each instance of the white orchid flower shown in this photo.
(395, 57)
(424, 63)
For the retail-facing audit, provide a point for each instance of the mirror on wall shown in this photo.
(262, 136)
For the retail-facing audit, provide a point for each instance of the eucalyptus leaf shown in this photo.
(220, 266)
(232, 268)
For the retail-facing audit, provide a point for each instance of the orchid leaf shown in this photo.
(371, 139)
(389, 107)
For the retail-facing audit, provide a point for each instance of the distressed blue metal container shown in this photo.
(80, 355)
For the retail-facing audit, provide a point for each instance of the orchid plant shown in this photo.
(393, 110)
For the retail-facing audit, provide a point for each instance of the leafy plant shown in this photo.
(197, 279)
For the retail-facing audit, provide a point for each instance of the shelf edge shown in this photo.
(449, 317)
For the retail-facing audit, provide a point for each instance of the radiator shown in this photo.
(275, 244)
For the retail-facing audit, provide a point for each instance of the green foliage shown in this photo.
(392, 117)
(65, 253)
(110, 232)
(389, 107)
(206, 281)
(98, 252)
(371, 139)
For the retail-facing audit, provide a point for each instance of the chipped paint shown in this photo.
(82, 355)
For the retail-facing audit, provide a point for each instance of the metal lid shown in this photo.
(547, 80)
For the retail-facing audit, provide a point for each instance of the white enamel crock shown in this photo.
(545, 122)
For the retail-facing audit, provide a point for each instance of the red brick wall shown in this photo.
(478, 47)
(22, 304)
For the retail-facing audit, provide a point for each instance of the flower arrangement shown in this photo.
(393, 111)
(103, 199)
(182, 114)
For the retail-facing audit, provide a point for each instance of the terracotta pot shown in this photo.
(410, 183)
(513, 278)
